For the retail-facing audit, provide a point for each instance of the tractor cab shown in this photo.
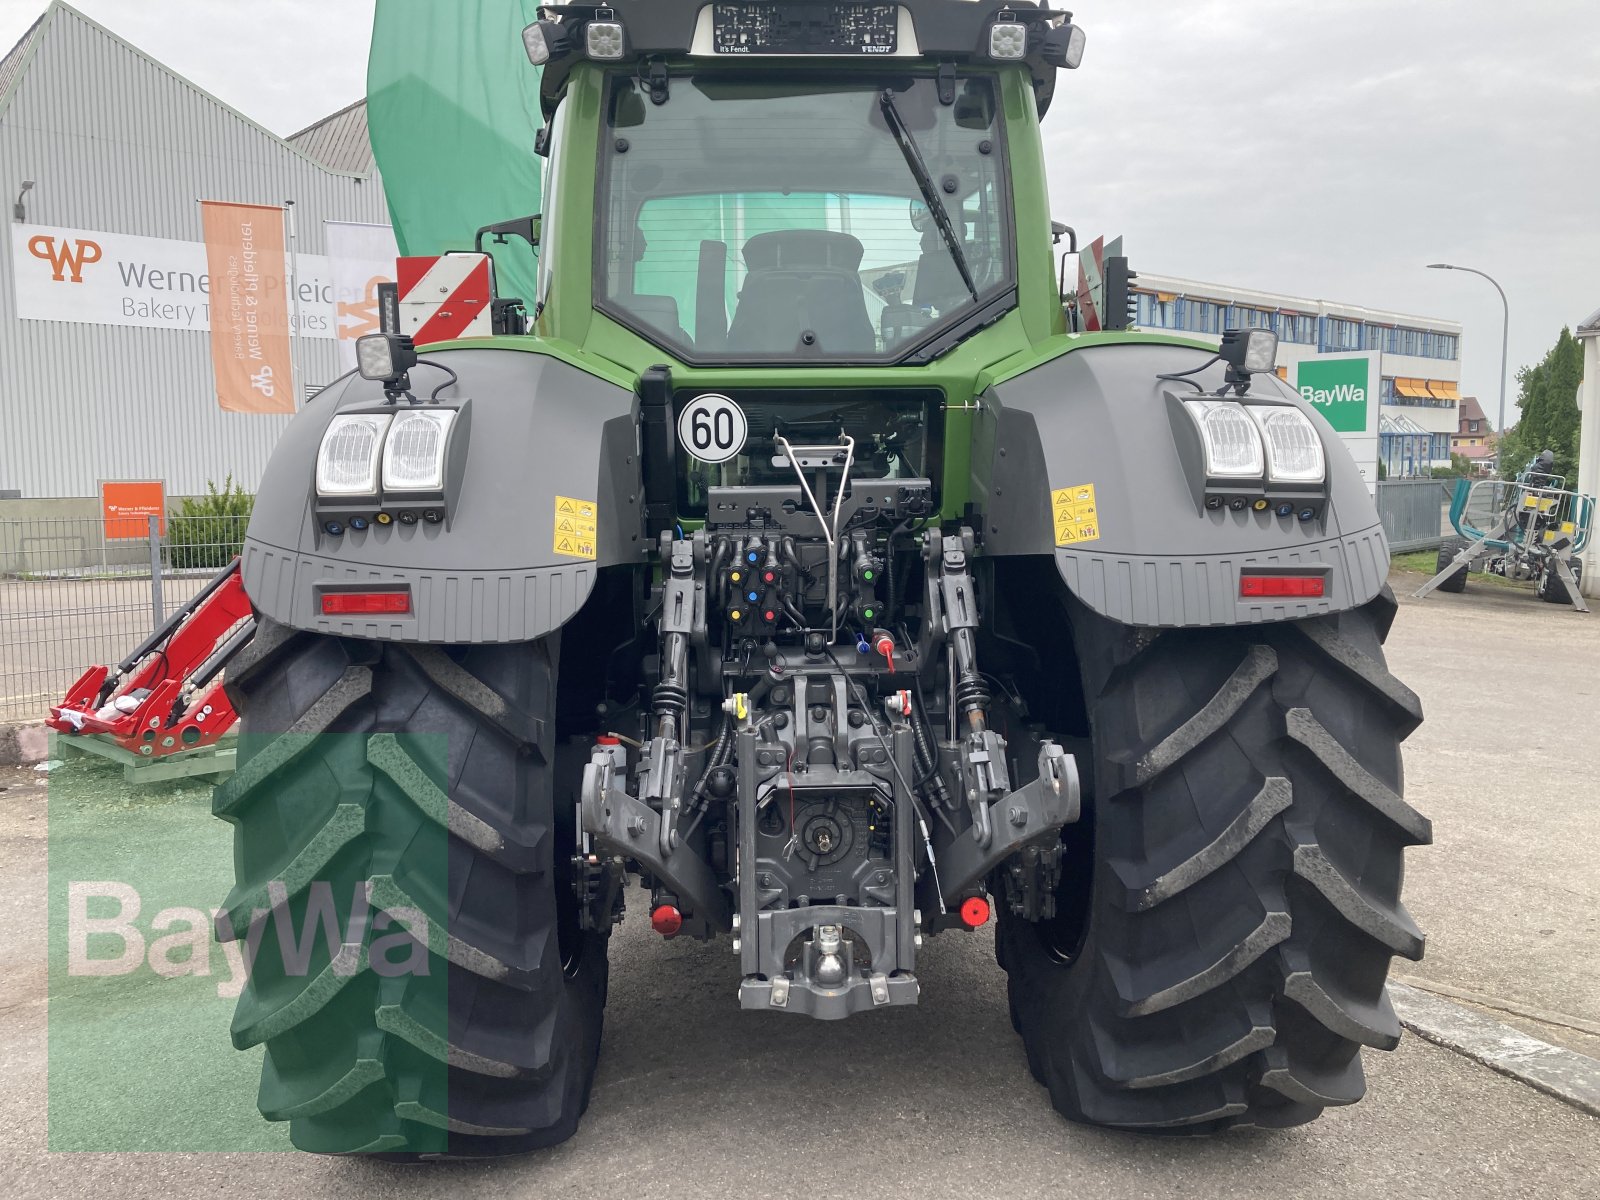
(791, 183)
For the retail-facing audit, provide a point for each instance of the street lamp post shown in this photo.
(1505, 336)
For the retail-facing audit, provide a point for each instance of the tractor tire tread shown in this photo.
(491, 1050)
(1246, 900)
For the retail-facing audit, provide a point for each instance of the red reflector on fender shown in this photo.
(1283, 585)
(340, 604)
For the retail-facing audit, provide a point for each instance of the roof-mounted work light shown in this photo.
(602, 37)
(1248, 352)
(1063, 46)
(1008, 37)
(544, 40)
(385, 358)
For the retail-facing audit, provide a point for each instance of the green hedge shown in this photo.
(208, 531)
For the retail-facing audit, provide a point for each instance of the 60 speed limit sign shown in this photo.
(712, 428)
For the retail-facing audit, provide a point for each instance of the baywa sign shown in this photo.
(1338, 390)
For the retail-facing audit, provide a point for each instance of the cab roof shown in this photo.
(954, 32)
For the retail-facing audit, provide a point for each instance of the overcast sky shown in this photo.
(1325, 148)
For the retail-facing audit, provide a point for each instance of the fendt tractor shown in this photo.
(798, 553)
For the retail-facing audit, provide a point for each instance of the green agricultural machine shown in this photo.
(804, 564)
(1531, 528)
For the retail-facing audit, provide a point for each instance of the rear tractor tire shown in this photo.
(422, 776)
(1456, 581)
(1229, 905)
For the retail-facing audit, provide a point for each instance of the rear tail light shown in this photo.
(1283, 585)
(342, 604)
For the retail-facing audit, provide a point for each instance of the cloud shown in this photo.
(1331, 150)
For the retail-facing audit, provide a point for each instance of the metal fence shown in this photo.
(74, 593)
(1415, 512)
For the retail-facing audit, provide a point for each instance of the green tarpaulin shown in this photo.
(453, 106)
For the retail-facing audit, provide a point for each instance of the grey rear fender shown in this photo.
(1098, 424)
(541, 433)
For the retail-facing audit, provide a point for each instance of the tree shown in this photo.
(1549, 405)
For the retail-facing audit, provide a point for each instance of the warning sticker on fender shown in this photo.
(577, 523)
(1076, 518)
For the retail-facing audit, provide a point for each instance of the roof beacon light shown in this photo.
(603, 39)
(1008, 37)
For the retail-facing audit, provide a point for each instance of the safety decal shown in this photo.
(1077, 519)
(576, 527)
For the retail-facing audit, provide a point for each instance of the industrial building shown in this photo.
(1420, 357)
(105, 361)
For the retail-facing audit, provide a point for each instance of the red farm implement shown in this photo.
(162, 711)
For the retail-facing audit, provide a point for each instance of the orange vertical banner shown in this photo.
(250, 351)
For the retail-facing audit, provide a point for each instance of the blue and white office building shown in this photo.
(1420, 357)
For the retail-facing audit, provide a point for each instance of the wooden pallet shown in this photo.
(215, 761)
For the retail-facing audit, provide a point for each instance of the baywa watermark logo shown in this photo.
(116, 943)
(209, 979)
(66, 256)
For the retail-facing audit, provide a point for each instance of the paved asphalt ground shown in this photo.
(696, 1099)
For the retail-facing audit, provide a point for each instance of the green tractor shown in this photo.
(806, 564)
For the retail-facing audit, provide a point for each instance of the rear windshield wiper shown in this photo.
(930, 193)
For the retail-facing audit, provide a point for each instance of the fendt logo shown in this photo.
(64, 255)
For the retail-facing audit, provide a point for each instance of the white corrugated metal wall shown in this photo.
(116, 142)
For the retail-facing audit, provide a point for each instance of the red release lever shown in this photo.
(666, 920)
(885, 647)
